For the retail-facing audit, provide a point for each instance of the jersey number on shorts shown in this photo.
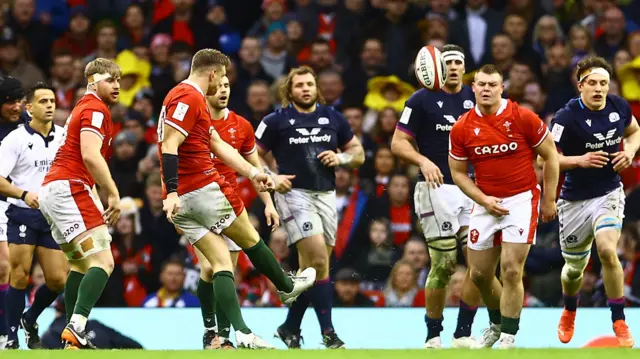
(163, 116)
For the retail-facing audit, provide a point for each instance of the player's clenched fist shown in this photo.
(432, 174)
(596, 159)
(171, 205)
(492, 205)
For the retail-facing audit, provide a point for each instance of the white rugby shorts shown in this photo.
(207, 209)
(578, 219)
(306, 213)
(519, 226)
(442, 211)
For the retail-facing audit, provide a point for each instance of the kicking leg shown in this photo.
(243, 234)
(607, 234)
(21, 256)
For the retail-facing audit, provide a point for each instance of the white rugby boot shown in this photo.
(507, 341)
(3, 341)
(433, 343)
(251, 341)
(463, 343)
(301, 282)
(489, 337)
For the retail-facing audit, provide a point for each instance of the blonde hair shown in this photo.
(102, 66)
(285, 90)
(207, 58)
(396, 267)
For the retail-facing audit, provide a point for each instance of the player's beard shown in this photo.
(305, 105)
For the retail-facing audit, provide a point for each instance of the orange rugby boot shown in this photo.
(566, 326)
(625, 340)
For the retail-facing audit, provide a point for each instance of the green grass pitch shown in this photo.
(324, 354)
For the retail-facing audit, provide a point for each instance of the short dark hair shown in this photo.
(590, 62)
(490, 69)
(39, 86)
(452, 47)
(207, 58)
(319, 41)
(173, 260)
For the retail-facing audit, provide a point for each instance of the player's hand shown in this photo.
(548, 210)
(329, 158)
(273, 219)
(621, 160)
(31, 199)
(492, 204)
(283, 183)
(596, 159)
(262, 182)
(171, 205)
(112, 214)
(432, 174)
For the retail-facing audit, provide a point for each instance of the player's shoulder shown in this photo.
(418, 97)
(241, 121)
(618, 102)
(463, 121)
(276, 116)
(185, 93)
(330, 112)
(567, 112)
(16, 135)
(525, 113)
(58, 130)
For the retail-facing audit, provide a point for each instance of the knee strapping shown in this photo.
(607, 223)
(575, 264)
(443, 263)
(97, 241)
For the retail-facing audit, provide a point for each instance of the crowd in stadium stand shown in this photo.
(363, 52)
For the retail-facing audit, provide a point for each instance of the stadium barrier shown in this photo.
(360, 328)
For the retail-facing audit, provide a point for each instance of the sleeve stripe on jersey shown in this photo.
(250, 151)
(185, 133)
(405, 130)
(546, 133)
(458, 158)
(92, 130)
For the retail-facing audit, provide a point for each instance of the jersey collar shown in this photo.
(49, 138)
(503, 106)
(190, 83)
(94, 94)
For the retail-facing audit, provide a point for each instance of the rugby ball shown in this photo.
(430, 68)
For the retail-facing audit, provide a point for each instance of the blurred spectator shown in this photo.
(384, 164)
(258, 102)
(503, 49)
(546, 33)
(131, 255)
(401, 289)
(629, 247)
(78, 40)
(396, 206)
(385, 92)
(134, 30)
(415, 252)
(135, 76)
(331, 87)
(14, 63)
(64, 82)
(37, 36)
(124, 164)
(106, 39)
(184, 25)
(275, 60)
(454, 288)
(614, 33)
(171, 294)
(249, 66)
(474, 31)
(274, 10)
(376, 257)
(355, 116)
(321, 58)
(229, 39)
(372, 64)
(347, 290)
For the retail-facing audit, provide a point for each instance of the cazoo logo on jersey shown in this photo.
(495, 149)
(309, 136)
